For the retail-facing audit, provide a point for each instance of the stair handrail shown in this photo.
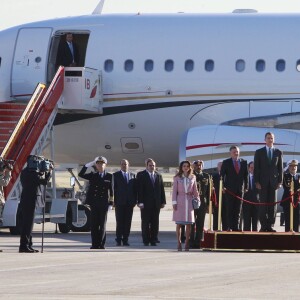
(38, 94)
(40, 117)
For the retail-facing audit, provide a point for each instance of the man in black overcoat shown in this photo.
(67, 54)
(234, 172)
(268, 175)
(33, 195)
(125, 198)
(151, 198)
(250, 211)
(99, 197)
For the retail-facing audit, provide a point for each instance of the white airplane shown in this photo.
(170, 86)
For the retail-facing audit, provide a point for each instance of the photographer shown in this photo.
(5, 176)
(34, 179)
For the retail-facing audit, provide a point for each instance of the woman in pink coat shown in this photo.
(184, 190)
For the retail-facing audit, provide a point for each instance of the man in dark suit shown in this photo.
(99, 197)
(32, 196)
(234, 172)
(203, 185)
(288, 177)
(216, 183)
(125, 198)
(67, 54)
(151, 198)
(268, 174)
(250, 211)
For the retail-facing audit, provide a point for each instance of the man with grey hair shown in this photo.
(151, 198)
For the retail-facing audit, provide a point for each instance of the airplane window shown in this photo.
(149, 65)
(240, 65)
(108, 65)
(169, 65)
(209, 65)
(298, 65)
(280, 65)
(128, 65)
(189, 65)
(260, 65)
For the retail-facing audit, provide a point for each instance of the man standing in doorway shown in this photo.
(68, 55)
(268, 175)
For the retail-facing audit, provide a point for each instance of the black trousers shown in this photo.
(197, 228)
(27, 217)
(250, 217)
(150, 224)
(98, 225)
(286, 209)
(123, 222)
(267, 213)
(233, 211)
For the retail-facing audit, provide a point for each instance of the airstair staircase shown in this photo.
(24, 129)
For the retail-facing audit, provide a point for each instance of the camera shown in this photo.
(39, 164)
(6, 164)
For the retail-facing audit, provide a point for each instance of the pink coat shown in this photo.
(184, 190)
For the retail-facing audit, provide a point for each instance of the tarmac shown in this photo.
(68, 269)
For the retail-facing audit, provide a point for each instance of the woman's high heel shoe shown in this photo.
(187, 248)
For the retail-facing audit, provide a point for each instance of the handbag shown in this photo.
(196, 203)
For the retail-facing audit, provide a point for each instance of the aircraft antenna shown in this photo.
(99, 8)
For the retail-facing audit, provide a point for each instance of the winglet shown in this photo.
(99, 8)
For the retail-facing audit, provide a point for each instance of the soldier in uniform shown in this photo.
(203, 184)
(289, 177)
(99, 197)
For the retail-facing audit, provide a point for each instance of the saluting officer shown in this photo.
(203, 184)
(289, 176)
(99, 197)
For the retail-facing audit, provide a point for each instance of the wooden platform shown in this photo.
(251, 241)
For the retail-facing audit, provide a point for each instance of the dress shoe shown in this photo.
(153, 244)
(126, 244)
(263, 230)
(271, 230)
(34, 250)
(146, 244)
(102, 247)
(118, 244)
(157, 241)
(94, 247)
(25, 250)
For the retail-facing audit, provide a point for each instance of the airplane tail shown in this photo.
(99, 8)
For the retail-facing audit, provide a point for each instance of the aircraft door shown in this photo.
(30, 61)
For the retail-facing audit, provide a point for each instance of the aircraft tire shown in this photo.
(84, 225)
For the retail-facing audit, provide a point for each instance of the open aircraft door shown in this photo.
(30, 61)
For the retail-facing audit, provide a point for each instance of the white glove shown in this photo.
(90, 164)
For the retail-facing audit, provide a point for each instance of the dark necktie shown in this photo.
(152, 178)
(236, 166)
(125, 176)
(270, 155)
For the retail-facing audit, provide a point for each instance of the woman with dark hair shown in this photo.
(184, 190)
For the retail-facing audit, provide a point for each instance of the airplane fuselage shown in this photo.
(162, 74)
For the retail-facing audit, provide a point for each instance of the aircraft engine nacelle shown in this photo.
(211, 143)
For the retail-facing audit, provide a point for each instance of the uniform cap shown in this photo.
(195, 162)
(293, 162)
(101, 158)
